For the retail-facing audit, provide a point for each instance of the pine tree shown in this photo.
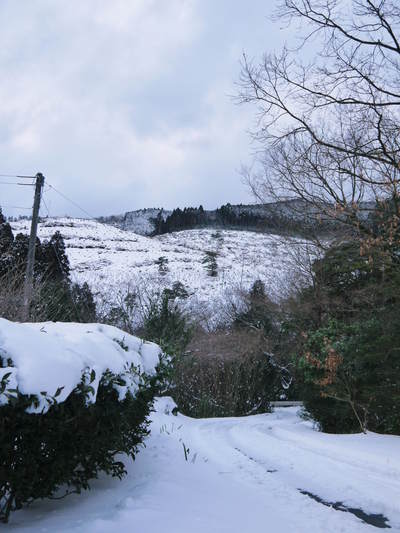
(6, 234)
(210, 262)
(55, 258)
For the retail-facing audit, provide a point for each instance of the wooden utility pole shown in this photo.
(30, 265)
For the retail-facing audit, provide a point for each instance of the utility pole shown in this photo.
(30, 265)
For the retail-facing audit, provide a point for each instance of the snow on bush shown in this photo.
(48, 360)
(73, 398)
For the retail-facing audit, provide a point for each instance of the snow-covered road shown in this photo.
(236, 475)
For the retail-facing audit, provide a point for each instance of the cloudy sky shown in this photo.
(126, 104)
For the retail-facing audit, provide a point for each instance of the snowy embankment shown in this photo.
(49, 360)
(237, 475)
(111, 260)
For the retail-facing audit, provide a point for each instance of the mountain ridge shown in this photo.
(287, 216)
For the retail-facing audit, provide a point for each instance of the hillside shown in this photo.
(111, 260)
(285, 217)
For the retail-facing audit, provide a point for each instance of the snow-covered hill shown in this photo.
(140, 221)
(111, 260)
(265, 473)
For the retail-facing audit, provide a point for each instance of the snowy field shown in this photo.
(111, 260)
(242, 475)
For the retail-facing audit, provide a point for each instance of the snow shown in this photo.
(52, 355)
(111, 260)
(140, 221)
(242, 475)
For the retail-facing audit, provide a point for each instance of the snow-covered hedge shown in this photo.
(72, 396)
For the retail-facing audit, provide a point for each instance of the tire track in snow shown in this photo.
(263, 450)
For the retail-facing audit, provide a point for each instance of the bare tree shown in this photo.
(329, 131)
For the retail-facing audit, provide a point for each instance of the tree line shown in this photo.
(55, 296)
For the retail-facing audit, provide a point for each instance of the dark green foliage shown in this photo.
(83, 303)
(55, 297)
(54, 257)
(178, 291)
(225, 216)
(343, 270)
(260, 312)
(239, 216)
(331, 416)
(210, 263)
(61, 301)
(19, 252)
(165, 323)
(6, 235)
(180, 219)
(53, 454)
(348, 326)
(358, 366)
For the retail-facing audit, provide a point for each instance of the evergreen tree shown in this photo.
(210, 263)
(6, 242)
(260, 312)
(166, 324)
(19, 251)
(56, 298)
(55, 258)
(349, 343)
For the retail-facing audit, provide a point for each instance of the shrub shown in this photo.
(260, 312)
(56, 453)
(208, 387)
(124, 313)
(62, 301)
(53, 444)
(348, 341)
(225, 373)
(210, 263)
(165, 323)
(353, 370)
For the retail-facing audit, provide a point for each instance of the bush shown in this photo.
(260, 313)
(348, 341)
(210, 263)
(353, 370)
(63, 418)
(59, 452)
(165, 323)
(62, 301)
(225, 373)
(209, 387)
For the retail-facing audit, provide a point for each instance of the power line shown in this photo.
(71, 201)
(76, 205)
(47, 209)
(16, 207)
(17, 176)
(13, 183)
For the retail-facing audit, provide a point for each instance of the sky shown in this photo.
(127, 104)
